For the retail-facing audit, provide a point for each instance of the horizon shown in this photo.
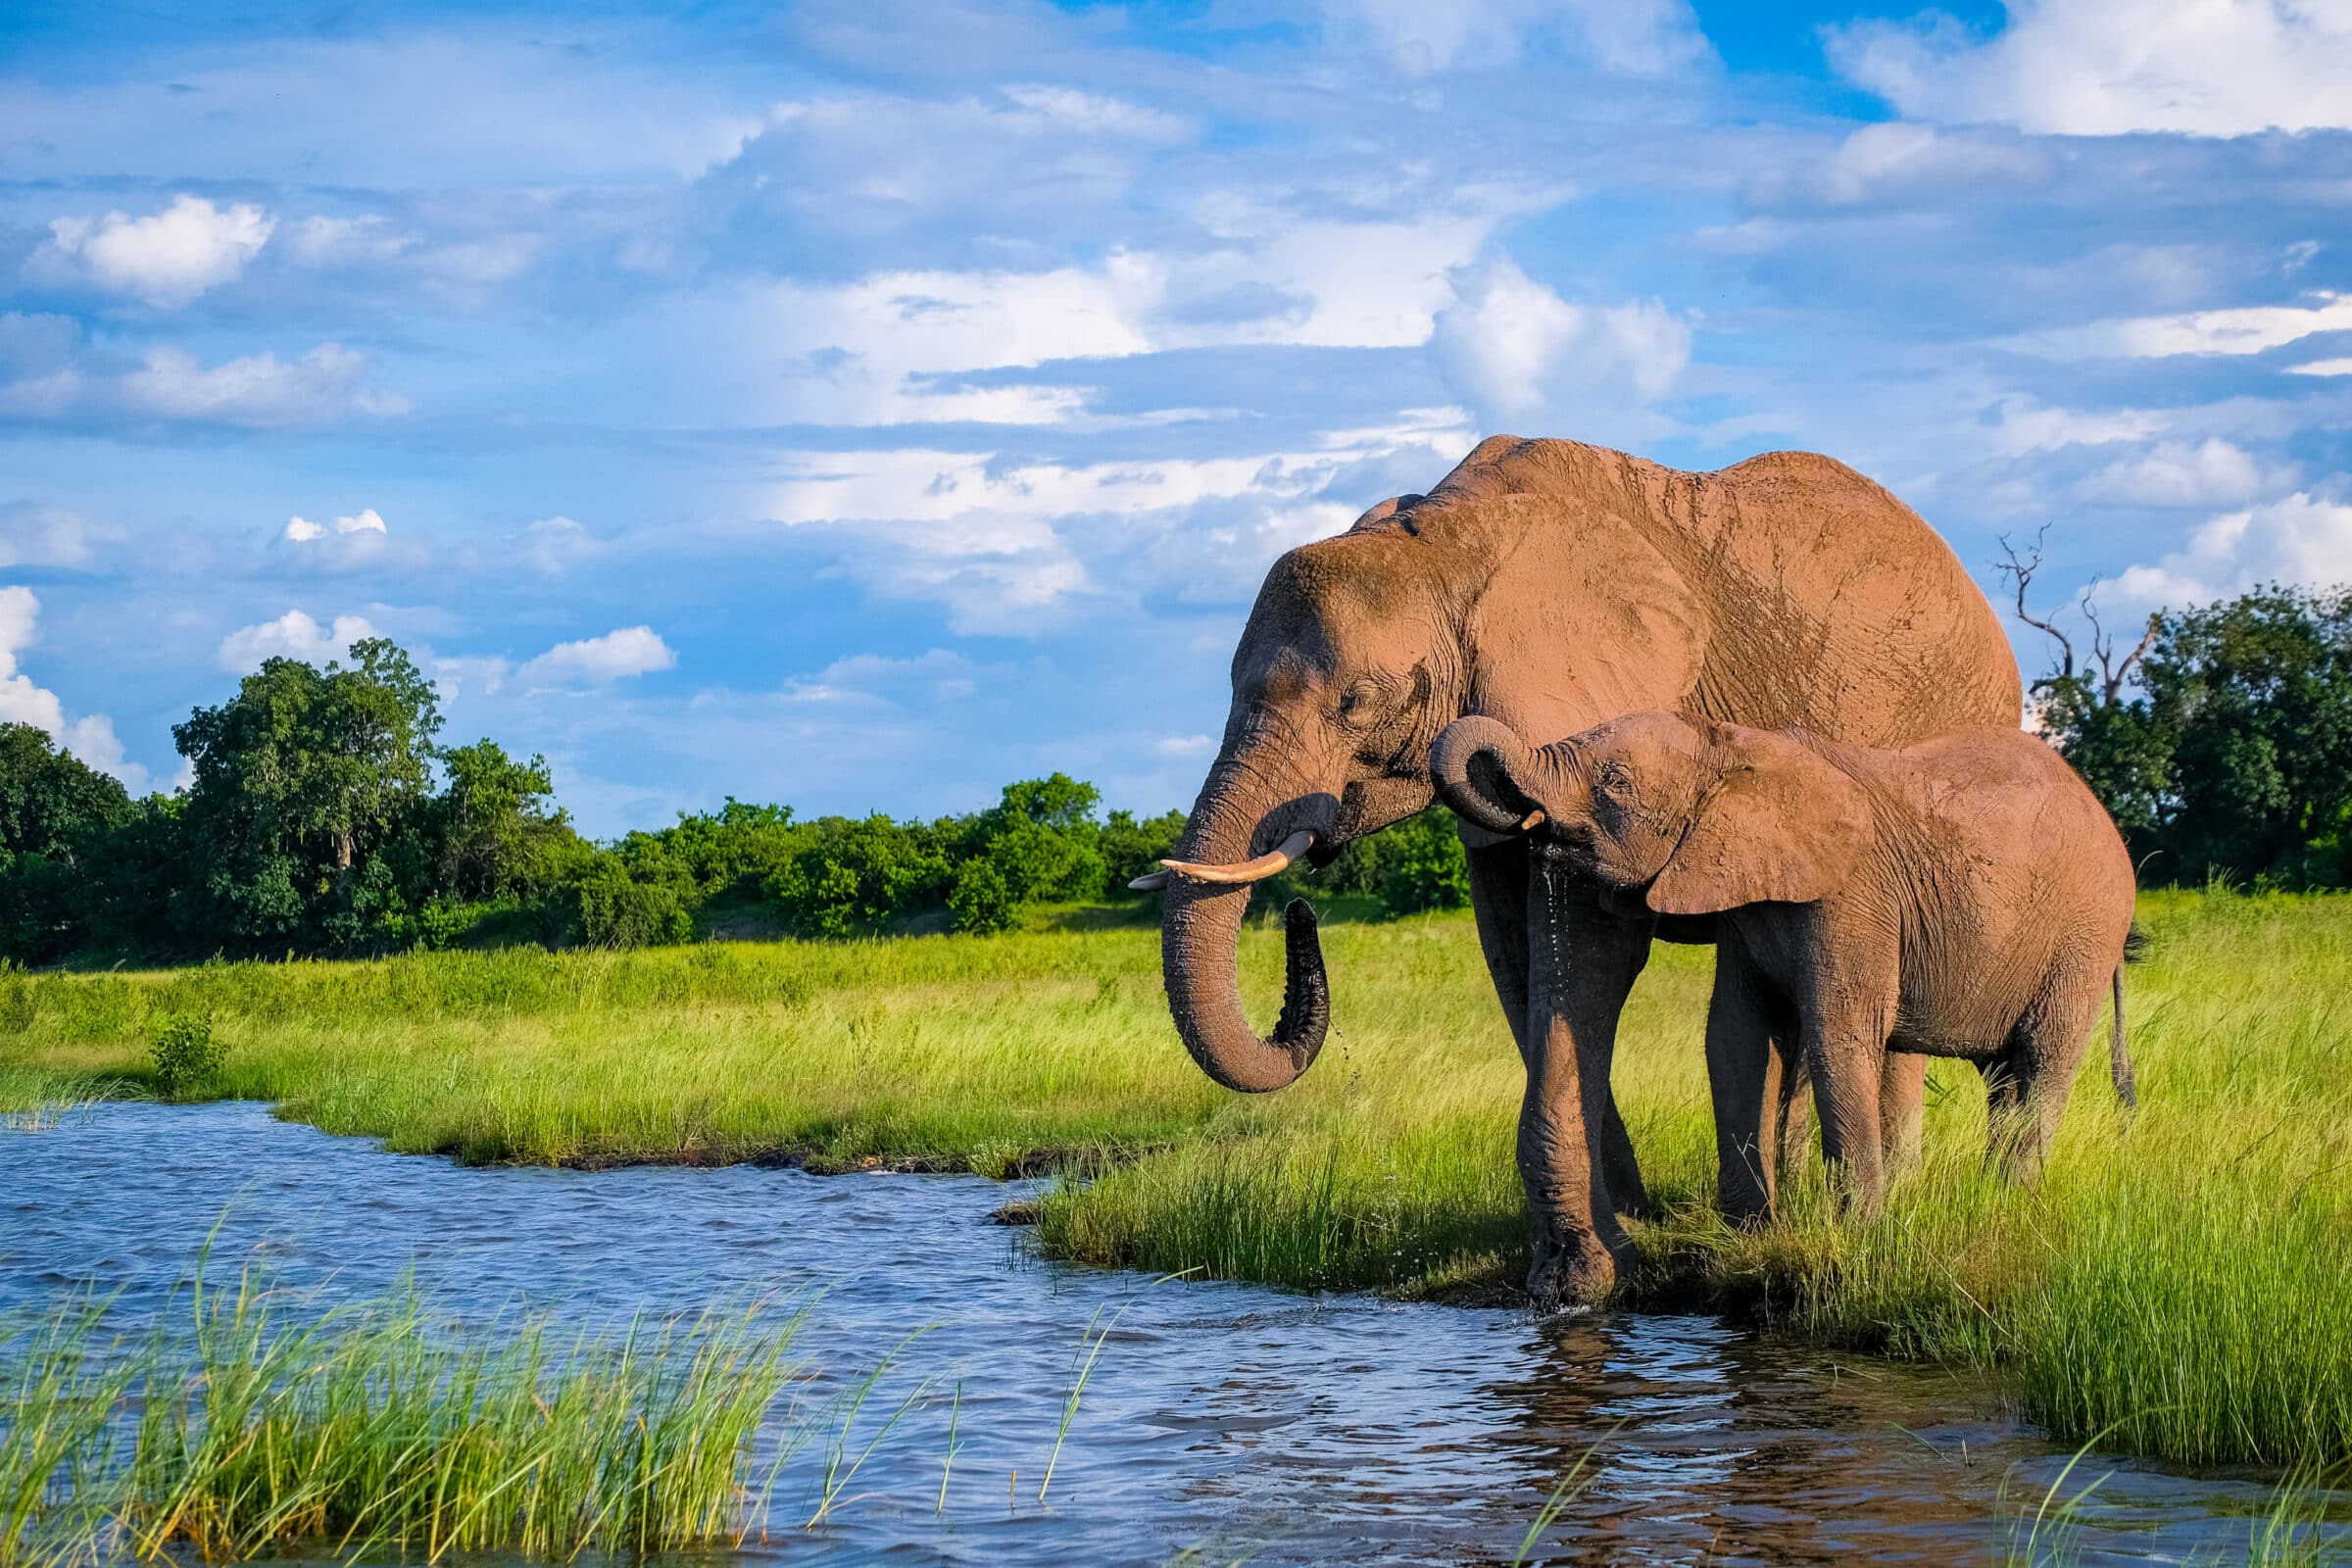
(862, 407)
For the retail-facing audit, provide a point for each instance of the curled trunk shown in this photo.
(1201, 927)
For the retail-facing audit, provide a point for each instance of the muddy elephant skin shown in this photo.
(1964, 897)
(1553, 585)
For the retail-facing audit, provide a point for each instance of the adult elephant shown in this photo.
(1553, 585)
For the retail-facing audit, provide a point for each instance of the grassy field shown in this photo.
(2180, 1288)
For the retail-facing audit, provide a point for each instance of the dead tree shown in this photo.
(2114, 668)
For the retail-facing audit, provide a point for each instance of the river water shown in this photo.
(1238, 1421)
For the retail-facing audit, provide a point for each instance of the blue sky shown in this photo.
(862, 405)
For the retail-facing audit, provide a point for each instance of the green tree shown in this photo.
(2234, 757)
(299, 779)
(1132, 848)
(497, 822)
(980, 900)
(56, 813)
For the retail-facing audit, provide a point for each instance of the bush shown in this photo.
(1423, 866)
(184, 1054)
(607, 907)
(980, 900)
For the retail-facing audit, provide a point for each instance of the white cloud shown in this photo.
(615, 656)
(1005, 545)
(2298, 539)
(1097, 115)
(1643, 37)
(259, 390)
(1894, 159)
(165, 259)
(2210, 68)
(937, 672)
(90, 737)
(324, 241)
(2323, 367)
(1184, 746)
(2027, 426)
(2245, 329)
(2174, 474)
(301, 530)
(555, 545)
(1513, 346)
(33, 535)
(292, 635)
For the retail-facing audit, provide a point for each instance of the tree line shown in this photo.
(324, 816)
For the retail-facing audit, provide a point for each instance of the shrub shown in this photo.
(607, 907)
(185, 1054)
(980, 900)
(1422, 865)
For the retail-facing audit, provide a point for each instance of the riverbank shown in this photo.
(2182, 1289)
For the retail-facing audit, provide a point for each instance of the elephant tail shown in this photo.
(2119, 1051)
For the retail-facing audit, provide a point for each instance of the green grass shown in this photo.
(369, 1430)
(2186, 1282)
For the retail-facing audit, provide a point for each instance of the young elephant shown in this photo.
(1964, 897)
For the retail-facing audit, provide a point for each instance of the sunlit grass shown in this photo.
(370, 1430)
(2186, 1280)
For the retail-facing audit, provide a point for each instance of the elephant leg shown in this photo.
(1796, 1106)
(1502, 898)
(1844, 1046)
(2045, 1051)
(1583, 965)
(1498, 878)
(1743, 1069)
(1902, 1108)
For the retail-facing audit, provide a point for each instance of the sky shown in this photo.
(861, 405)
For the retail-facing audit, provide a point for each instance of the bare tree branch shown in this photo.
(2112, 674)
(2021, 571)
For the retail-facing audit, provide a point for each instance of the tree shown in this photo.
(857, 878)
(2234, 756)
(56, 813)
(496, 822)
(298, 780)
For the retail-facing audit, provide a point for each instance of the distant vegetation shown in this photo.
(325, 818)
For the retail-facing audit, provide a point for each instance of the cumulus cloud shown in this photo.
(2300, 538)
(2096, 67)
(594, 660)
(165, 258)
(2324, 367)
(90, 737)
(2176, 473)
(1514, 347)
(292, 635)
(1641, 37)
(555, 545)
(302, 530)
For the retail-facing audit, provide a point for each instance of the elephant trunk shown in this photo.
(1201, 927)
(1477, 763)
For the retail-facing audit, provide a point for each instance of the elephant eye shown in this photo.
(1362, 702)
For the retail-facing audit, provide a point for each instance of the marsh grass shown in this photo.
(2185, 1280)
(369, 1430)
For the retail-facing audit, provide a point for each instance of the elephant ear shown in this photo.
(1776, 824)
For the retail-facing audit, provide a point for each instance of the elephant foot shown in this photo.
(1577, 1270)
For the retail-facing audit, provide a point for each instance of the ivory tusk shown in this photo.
(1151, 881)
(1532, 820)
(1257, 870)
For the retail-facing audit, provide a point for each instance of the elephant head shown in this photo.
(1696, 818)
(1341, 678)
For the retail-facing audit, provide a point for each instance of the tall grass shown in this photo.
(367, 1430)
(2186, 1280)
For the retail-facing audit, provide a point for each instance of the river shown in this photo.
(1236, 1420)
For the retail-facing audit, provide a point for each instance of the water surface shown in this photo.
(1226, 1417)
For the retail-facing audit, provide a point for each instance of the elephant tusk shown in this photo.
(1257, 870)
(1532, 820)
(1151, 881)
